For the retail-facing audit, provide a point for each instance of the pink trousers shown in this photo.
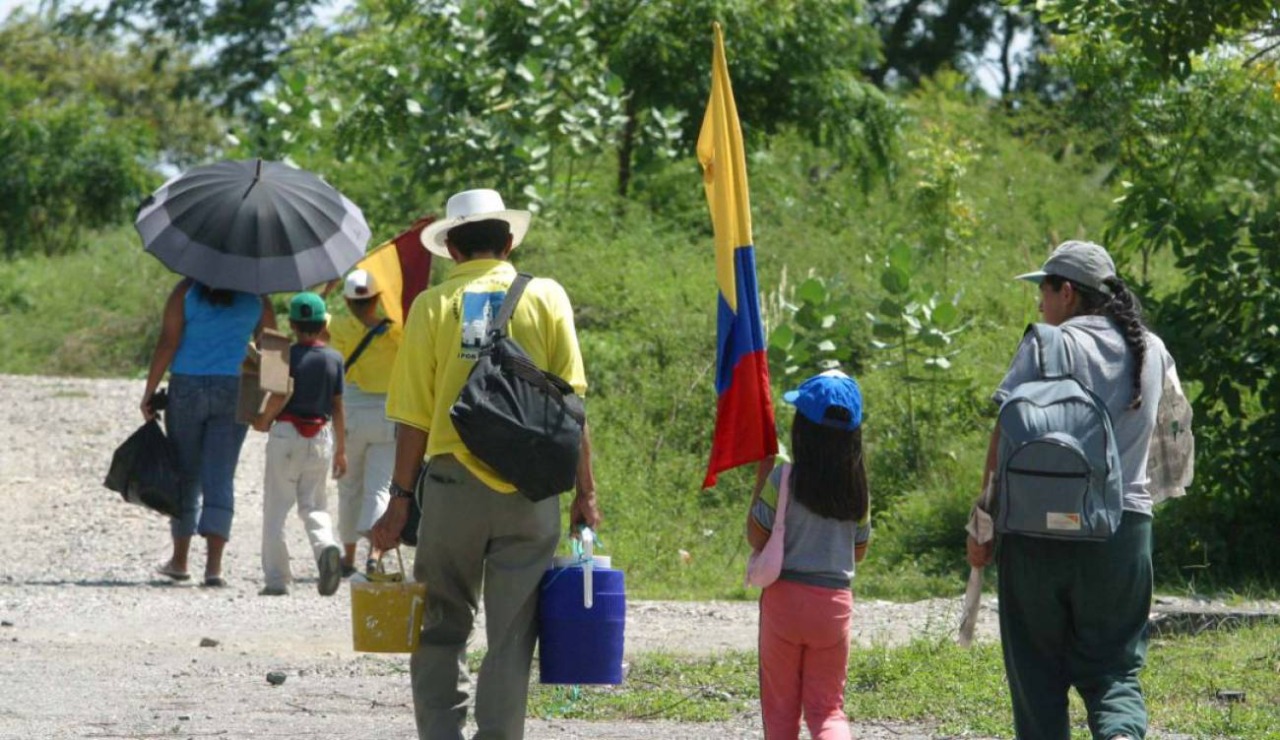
(804, 654)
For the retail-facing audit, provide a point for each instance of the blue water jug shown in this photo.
(582, 614)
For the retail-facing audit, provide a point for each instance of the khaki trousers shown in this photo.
(296, 472)
(371, 455)
(472, 537)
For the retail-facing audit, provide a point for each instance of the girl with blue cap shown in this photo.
(825, 524)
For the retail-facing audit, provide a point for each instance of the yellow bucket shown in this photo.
(386, 613)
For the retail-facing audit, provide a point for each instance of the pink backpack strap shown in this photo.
(784, 493)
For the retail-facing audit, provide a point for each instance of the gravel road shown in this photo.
(93, 645)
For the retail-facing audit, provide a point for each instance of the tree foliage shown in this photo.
(242, 42)
(919, 38)
(1164, 36)
(1193, 112)
(440, 96)
(793, 63)
(79, 125)
(523, 94)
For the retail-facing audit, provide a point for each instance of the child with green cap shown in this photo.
(306, 439)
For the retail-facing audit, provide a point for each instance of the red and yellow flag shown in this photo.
(745, 431)
(402, 269)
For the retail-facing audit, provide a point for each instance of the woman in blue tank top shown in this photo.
(203, 339)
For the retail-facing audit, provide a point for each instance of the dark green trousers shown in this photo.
(1075, 614)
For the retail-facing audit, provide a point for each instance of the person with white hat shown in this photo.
(474, 529)
(369, 343)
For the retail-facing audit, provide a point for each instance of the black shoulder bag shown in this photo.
(520, 420)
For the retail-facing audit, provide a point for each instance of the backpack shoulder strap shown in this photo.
(509, 302)
(784, 493)
(1051, 351)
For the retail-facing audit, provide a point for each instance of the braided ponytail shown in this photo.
(1124, 308)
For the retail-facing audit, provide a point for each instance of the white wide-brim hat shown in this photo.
(470, 206)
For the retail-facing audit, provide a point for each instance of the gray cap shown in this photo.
(1084, 263)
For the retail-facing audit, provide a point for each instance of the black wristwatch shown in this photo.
(398, 491)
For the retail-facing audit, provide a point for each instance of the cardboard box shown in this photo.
(265, 369)
(273, 365)
(251, 397)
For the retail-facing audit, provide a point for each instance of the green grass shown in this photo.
(93, 313)
(960, 691)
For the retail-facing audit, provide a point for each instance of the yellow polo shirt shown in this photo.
(443, 332)
(372, 371)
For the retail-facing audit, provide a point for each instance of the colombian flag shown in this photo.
(402, 268)
(745, 430)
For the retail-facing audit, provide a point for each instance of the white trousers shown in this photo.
(371, 455)
(296, 472)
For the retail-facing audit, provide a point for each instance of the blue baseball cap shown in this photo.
(831, 399)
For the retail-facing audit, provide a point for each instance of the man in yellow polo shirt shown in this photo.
(475, 527)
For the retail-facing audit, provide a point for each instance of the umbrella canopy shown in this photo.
(254, 226)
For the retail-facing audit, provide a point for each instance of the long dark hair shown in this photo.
(219, 297)
(1122, 307)
(828, 475)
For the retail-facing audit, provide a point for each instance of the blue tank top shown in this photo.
(214, 338)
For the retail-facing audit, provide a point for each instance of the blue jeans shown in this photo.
(201, 421)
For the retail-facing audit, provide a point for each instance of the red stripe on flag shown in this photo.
(415, 263)
(745, 430)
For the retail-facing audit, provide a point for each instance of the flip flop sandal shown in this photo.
(169, 571)
(214, 581)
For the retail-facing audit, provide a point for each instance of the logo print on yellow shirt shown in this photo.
(479, 311)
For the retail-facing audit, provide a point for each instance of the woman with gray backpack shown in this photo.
(1071, 500)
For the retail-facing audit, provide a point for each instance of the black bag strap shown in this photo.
(364, 343)
(517, 362)
(509, 301)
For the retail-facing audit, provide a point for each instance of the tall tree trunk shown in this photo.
(895, 41)
(625, 147)
(1006, 71)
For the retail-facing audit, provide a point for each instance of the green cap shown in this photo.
(307, 307)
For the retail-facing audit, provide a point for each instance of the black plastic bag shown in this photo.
(144, 471)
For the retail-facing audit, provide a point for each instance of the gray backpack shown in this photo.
(1058, 467)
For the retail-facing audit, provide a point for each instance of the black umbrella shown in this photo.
(254, 226)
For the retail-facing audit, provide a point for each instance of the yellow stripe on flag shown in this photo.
(724, 173)
(383, 263)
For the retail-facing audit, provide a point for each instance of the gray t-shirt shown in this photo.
(1101, 361)
(816, 551)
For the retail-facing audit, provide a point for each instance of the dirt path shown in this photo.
(92, 645)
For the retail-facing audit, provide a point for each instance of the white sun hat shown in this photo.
(470, 206)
